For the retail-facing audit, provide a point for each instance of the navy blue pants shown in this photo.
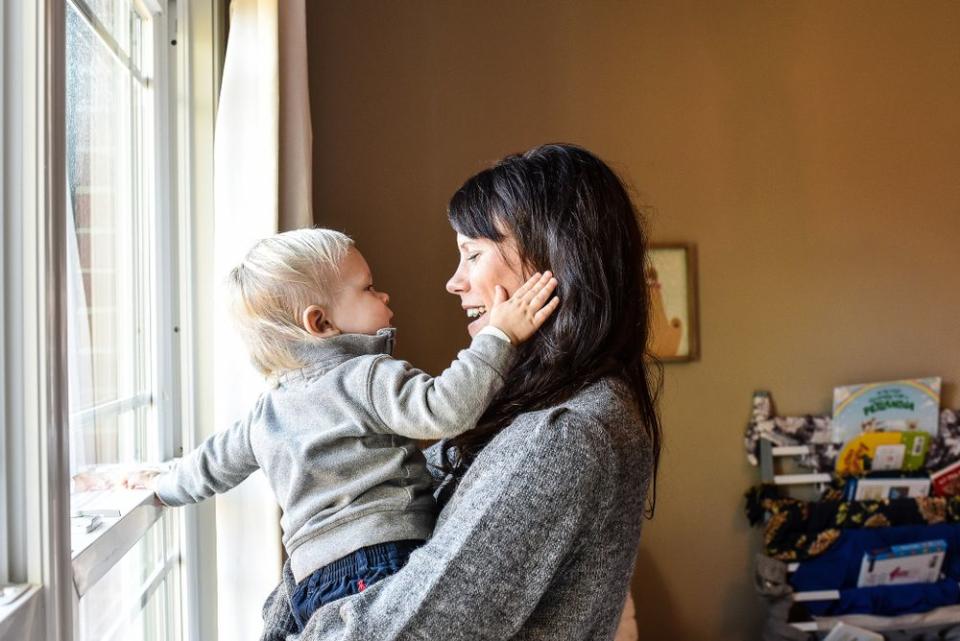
(351, 574)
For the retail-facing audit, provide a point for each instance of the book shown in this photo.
(904, 405)
(902, 564)
(846, 632)
(946, 481)
(884, 489)
(879, 451)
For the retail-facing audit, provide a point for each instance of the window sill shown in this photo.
(20, 619)
(125, 515)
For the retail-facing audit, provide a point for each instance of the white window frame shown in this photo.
(34, 370)
(4, 496)
(201, 45)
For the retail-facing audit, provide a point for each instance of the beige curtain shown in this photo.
(296, 134)
(262, 185)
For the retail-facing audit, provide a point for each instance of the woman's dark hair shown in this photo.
(570, 213)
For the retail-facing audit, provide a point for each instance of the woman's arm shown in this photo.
(514, 520)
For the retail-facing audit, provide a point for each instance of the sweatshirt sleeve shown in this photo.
(517, 519)
(408, 402)
(220, 463)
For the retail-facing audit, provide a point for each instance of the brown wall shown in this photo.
(810, 149)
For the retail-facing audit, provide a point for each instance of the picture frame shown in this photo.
(671, 274)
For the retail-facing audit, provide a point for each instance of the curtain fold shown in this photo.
(79, 361)
(296, 132)
(262, 180)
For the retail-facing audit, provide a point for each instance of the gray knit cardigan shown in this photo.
(537, 543)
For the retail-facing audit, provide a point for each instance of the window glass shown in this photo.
(115, 16)
(110, 298)
(136, 600)
(111, 228)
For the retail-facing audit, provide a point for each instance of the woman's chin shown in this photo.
(474, 328)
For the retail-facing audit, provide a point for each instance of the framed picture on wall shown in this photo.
(672, 279)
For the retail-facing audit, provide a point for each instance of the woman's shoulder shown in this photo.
(601, 414)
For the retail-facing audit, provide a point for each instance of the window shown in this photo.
(111, 189)
(100, 146)
(138, 598)
(119, 344)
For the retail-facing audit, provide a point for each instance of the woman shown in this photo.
(543, 501)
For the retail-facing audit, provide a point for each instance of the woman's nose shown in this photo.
(456, 282)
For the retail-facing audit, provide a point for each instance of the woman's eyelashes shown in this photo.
(473, 257)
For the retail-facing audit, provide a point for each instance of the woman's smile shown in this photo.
(484, 264)
(479, 316)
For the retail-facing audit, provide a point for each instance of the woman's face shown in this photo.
(484, 264)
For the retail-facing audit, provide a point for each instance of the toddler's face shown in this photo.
(359, 308)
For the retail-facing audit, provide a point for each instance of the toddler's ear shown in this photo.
(316, 322)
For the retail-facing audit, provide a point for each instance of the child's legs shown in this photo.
(352, 574)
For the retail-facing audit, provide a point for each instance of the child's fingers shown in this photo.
(535, 286)
(86, 481)
(543, 293)
(523, 289)
(82, 482)
(544, 312)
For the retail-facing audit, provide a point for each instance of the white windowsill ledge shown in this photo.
(125, 515)
(93, 553)
(19, 619)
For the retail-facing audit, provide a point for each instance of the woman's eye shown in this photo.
(473, 257)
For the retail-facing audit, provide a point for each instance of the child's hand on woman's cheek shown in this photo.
(522, 314)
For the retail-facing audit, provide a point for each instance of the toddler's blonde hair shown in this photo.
(279, 278)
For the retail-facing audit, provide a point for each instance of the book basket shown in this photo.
(818, 544)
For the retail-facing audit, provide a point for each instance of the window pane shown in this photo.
(111, 228)
(136, 600)
(116, 16)
(109, 294)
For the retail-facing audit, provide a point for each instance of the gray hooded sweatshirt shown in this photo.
(334, 439)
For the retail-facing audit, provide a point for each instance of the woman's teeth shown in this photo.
(476, 312)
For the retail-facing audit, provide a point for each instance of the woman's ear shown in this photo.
(316, 321)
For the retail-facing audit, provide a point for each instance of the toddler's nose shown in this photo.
(385, 297)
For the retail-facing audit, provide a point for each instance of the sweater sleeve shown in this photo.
(408, 402)
(220, 463)
(518, 515)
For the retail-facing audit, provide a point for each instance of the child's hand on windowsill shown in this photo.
(145, 479)
(112, 477)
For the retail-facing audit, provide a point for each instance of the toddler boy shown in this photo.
(334, 435)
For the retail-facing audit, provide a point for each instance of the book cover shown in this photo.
(885, 489)
(902, 564)
(904, 405)
(880, 451)
(946, 481)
